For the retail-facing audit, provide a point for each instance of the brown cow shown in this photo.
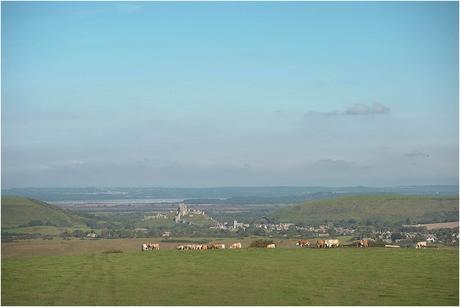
(363, 243)
(303, 243)
(320, 244)
(216, 246)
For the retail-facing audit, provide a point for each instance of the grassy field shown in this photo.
(436, 225)
(18, 211)
(59, 247)
(345, 276)
(387, 208)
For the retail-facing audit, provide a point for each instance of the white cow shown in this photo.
(150, 246)
(332, 243)
(236, 245)
(271, 246)
(420, 244)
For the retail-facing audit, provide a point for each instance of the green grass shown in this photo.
(160, 222)
(200, 220)
(373, 276)
(384, 208)
(44, 230)
(18, 211)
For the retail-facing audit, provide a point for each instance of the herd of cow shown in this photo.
(206, 246)
(156, 246)
(329, 243)
(302, 243)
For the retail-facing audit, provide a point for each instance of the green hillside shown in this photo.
(372, 208)
(22, 212)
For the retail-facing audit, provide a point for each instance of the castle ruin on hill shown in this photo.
(183, 211)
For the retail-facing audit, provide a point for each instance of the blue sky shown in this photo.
(218, 94)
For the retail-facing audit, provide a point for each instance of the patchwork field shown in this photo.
(437, 225)
(345, 276)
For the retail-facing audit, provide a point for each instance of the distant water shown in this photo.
(172, 195)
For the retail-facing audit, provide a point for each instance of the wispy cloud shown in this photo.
(316, 113)
(356, 109)
(362, 109)
(416, 154)
(338, 164)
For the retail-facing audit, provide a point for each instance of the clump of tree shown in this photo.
(261, 243)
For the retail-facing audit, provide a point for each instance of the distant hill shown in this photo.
(372, 208)
(23, 212)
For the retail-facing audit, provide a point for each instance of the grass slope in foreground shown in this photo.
(380, 208)
(17, 211)
(236, 277)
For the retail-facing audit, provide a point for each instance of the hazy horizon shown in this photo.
(132, 94)
(235, 187)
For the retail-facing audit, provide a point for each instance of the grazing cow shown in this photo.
(363, 243)
(219, 246)
(271, 246)
(180, 247)
(150, 246)
(420, 244)
(320, 244)
(331, 243)
(236, 245)
(303, 243)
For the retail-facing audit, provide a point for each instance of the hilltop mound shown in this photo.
(21, 211)
(372, 208)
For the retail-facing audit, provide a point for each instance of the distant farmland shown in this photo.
(372, 209)
(436, 225)
(345, 276)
